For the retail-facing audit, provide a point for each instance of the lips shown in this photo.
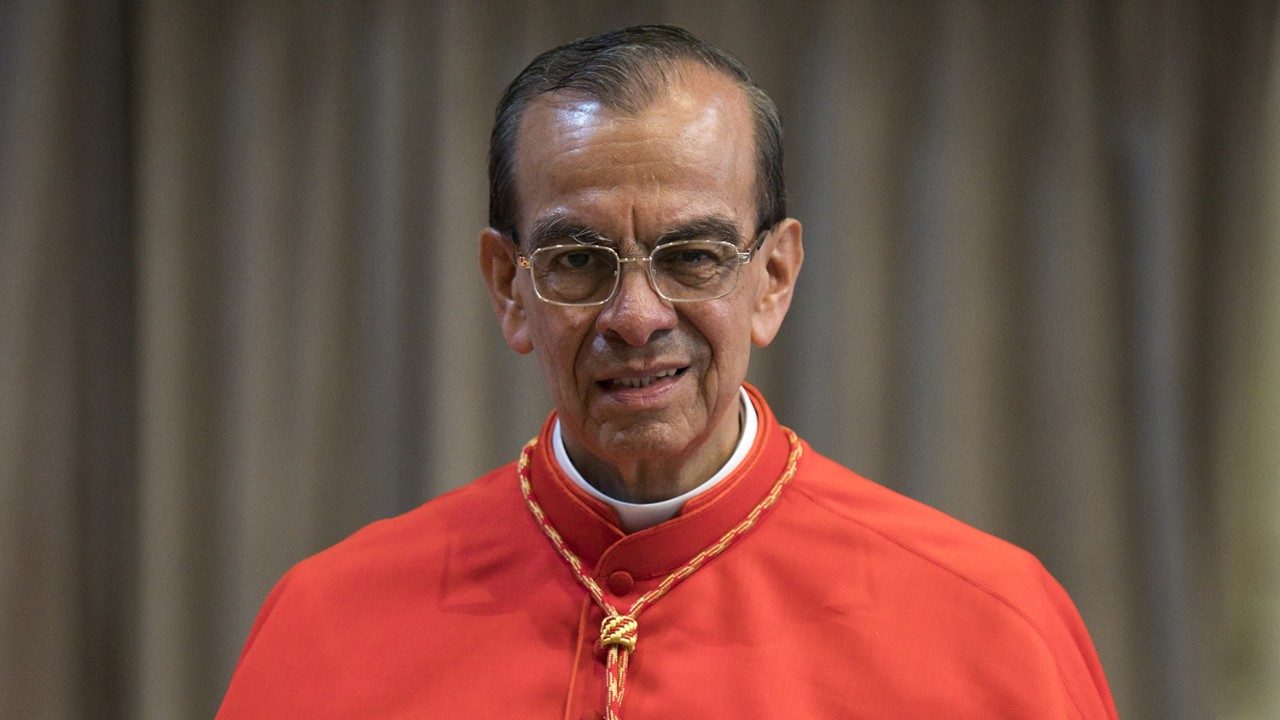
(635, 382)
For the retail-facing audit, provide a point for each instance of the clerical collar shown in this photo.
(638, 516)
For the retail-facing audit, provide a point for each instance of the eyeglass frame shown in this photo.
(744, 257)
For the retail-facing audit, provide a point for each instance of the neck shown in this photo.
(648, 480)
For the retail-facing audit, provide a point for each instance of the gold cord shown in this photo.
(619, 631)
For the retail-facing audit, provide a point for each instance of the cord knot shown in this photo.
(619, 630)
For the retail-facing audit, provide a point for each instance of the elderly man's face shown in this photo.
(641, 379)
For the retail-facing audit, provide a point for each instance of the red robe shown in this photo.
(846, 600)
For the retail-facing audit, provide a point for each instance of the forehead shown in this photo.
(689, 153)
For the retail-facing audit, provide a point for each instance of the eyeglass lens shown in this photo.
(685, 270)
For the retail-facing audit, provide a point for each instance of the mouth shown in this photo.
(636, 382)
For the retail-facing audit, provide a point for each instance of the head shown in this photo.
(631, 140)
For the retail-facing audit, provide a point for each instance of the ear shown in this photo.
(782, 255)
(498, 265)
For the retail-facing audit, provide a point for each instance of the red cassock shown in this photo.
(846, 600)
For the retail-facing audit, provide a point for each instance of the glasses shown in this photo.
(679, 271)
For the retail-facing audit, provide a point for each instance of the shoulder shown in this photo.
(474, 515)
(401, 560)
(914, 531)
(969, 577)
(345, 609)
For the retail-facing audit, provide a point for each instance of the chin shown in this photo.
(644, 439)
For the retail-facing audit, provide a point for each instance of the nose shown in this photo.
(636, 312)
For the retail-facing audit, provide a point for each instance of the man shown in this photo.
(663, 548)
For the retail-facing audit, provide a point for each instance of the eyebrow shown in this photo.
(713, 226)
(558, 228)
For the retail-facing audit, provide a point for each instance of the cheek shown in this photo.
(559, 339)
(729, 333)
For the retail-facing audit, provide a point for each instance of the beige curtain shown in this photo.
(240, 313)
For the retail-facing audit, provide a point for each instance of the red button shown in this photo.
(621, 582)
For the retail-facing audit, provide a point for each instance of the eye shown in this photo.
(694, 256)
(576, 260)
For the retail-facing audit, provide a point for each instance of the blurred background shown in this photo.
(241, 314)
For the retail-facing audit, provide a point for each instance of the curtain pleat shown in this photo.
(241, 314)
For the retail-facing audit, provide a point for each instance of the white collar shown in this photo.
(638, 516)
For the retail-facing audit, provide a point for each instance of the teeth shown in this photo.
(644, 381)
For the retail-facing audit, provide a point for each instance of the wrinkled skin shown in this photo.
(632, 178)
